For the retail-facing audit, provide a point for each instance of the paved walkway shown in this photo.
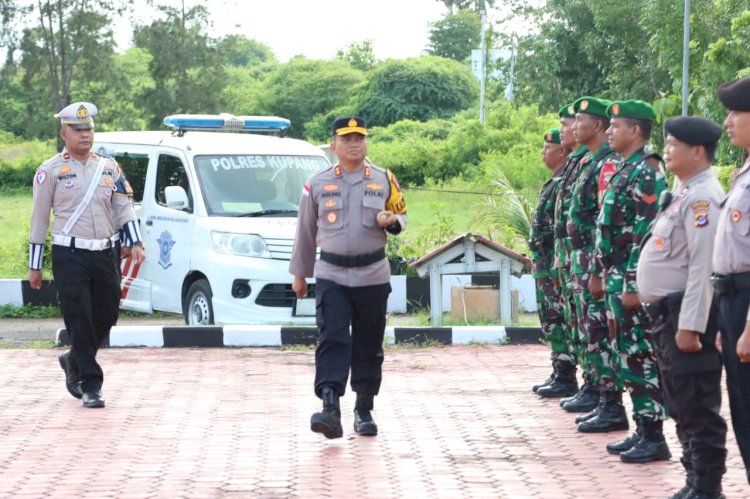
(456, 422)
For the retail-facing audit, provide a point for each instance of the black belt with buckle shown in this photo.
(731, 282)
(350, 261)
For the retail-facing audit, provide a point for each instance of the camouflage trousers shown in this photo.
(592, 318)
(552, 318)
(633, 353)
(569, 314)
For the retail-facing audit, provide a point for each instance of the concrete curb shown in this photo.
(269, 336)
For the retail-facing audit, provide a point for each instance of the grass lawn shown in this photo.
(15, 216)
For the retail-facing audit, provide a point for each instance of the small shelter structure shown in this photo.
(470, 254)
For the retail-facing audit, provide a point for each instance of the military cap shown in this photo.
(553, 136)
(693, 130)
(637, 109)
(591, 105)
(78, 115)
(735, 95)
(567, 111)
(349, 124)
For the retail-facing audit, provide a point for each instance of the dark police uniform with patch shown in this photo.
(84, 262)
(338, 214)
(731, 265)
(674, 283)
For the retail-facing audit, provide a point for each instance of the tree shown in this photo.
(420, 88)
(239, 51)
(478, 5)
(359, 55)
(455, 35)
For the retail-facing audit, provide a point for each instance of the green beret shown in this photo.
(631, 109)
(567, 111)
(693, 130)
(735, 95)
(553, 136)
(591, 105)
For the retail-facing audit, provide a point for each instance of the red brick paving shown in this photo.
(455, 422)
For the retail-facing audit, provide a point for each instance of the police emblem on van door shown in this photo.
(165, 249)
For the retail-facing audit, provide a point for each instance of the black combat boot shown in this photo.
(628, 442)
(586, 402)
(707, 485)
(565, 383)
(595, 411)
(363, 423)
(612, 417)
(690, 478)
(328, 422)
(651, 446)
(580, 392)
(546, 381)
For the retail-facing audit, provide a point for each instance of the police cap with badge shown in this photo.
(735, 95)
(79, 115)
(693, 130)
(349, 124)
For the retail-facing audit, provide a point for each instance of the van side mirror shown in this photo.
(176, 197)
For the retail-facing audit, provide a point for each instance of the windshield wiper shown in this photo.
(263, 213)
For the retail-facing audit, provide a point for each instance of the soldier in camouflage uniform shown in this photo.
(599, 397)
(563, 381)
(541, 244)
(628, 207)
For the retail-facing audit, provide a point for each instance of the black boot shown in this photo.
(586, 402)
(628, 442)
(595, 412)
(565, 383)
(707, 485)
(546, 381)
(579, 393)
(690, 478)
(612, 417)
(363, 423)
(328, 422)
(651, 446)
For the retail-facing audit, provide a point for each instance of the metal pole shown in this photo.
(483, 57)
(685, 57)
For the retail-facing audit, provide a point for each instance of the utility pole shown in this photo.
(685, 57)
(483, 58)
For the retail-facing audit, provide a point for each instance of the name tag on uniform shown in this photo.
(303, 307)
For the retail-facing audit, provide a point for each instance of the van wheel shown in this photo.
(198, 309)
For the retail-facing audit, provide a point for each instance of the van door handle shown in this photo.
(149, 223)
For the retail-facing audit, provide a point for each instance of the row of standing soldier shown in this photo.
(624, 281)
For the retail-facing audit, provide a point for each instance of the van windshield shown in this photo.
(255, 185)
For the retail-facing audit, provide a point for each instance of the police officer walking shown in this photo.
(88, 196)
(346, 211)
(731, 265)
(674, 284)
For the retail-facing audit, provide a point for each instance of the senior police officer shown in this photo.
(731, 264)
(629, 205)
(541, 244)
(88, 196)
(674, 283)
(347, 211)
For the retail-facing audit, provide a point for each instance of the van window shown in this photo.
(170, 171)
(134, 166)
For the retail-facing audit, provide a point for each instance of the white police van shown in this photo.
(217, 213)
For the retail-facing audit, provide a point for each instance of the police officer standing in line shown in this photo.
(347, 211)
(541, 244)
(88, 197)
(731, 265)
(674, 284)
(562, 382)
(628, 207)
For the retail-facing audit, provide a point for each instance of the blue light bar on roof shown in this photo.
(226, 122)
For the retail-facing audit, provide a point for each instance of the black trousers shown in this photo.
(691, 387)
(733, 306)
(88, 286)
(338, 351)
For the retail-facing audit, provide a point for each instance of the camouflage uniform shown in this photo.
(597, 168)
(628, 207)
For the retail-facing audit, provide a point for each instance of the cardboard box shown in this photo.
(476, 303)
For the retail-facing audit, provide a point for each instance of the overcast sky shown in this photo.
(318, 28)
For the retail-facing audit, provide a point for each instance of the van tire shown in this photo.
(199, 310)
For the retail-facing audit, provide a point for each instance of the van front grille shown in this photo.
(280, 295)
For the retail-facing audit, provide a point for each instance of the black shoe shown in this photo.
(683, 493)
(564, 384)
(650, 447)
(586, 402)
(595, 412)
(328, 422)
(544, 383)
(625, 444)
(576, 396)
(364, 424)
(697, 494)
(71, 376)
(93, 399)
(612, 417)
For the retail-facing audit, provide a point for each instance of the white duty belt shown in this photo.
(85, 244)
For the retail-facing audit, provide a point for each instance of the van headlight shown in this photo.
(240, 244)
